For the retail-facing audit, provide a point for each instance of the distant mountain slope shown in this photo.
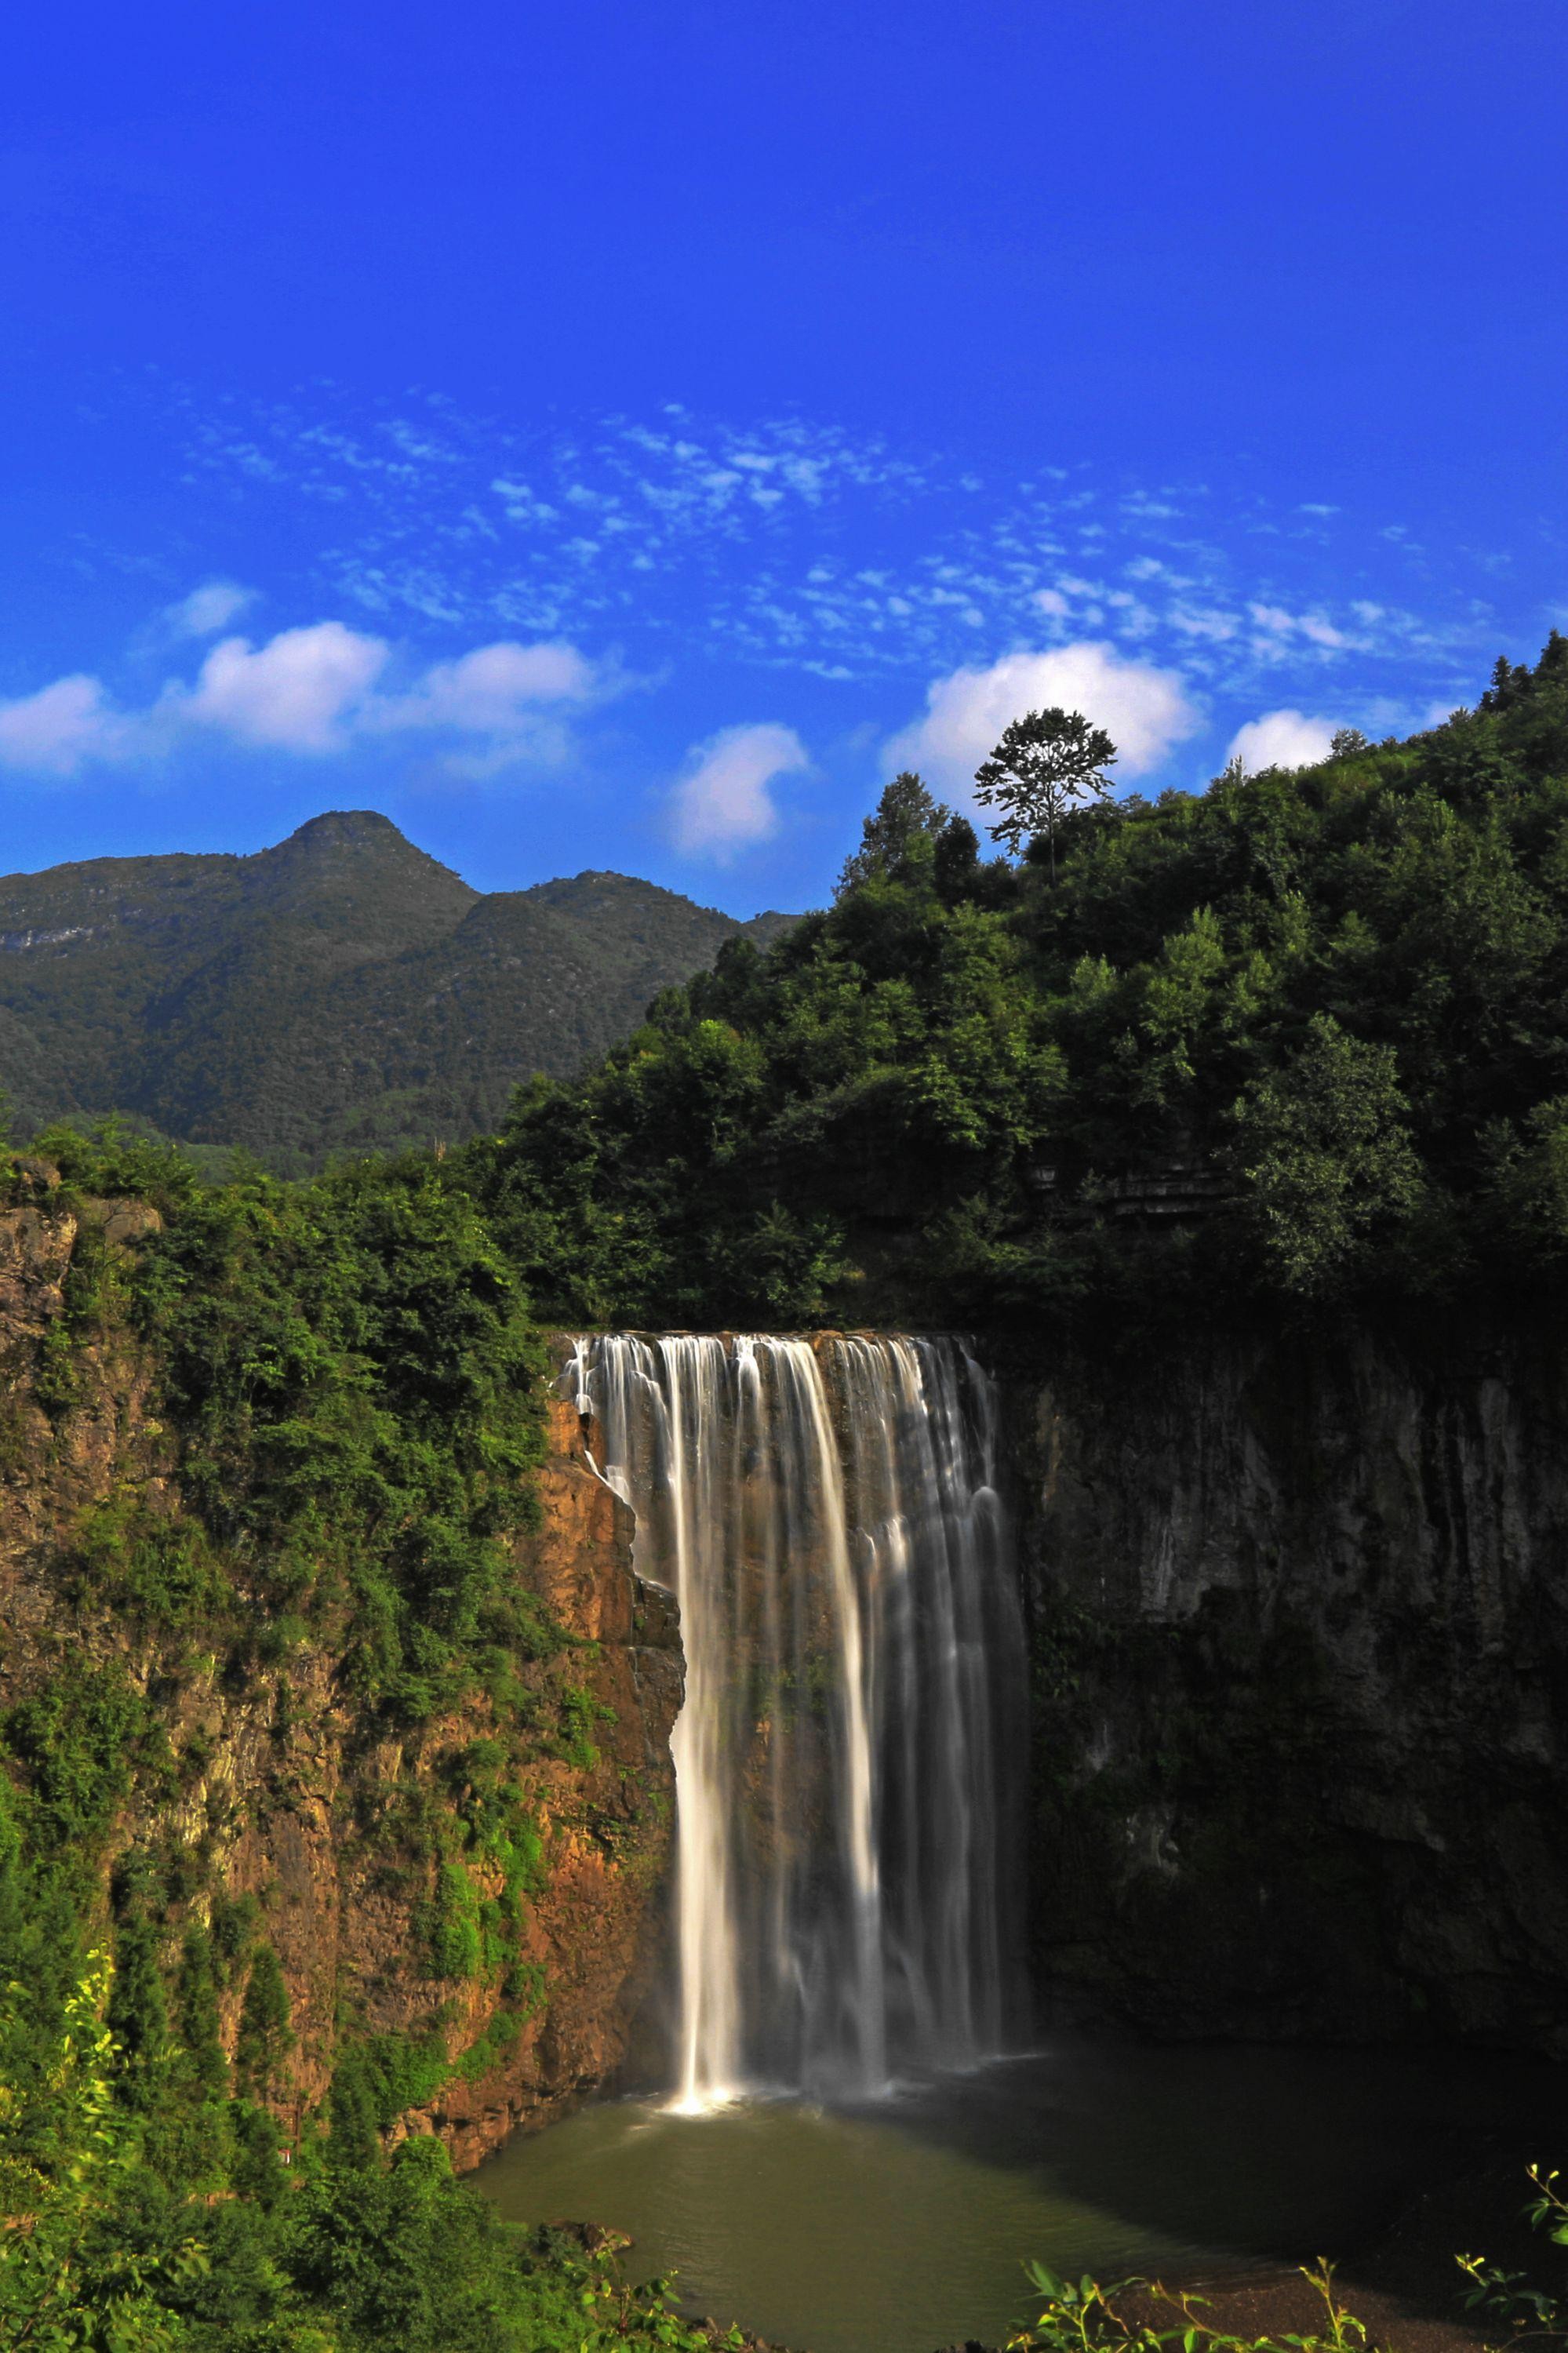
(341, 990)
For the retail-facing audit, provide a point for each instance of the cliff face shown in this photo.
(264, 1780)
(1300, 1617)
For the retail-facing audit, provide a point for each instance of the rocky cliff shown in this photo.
(254, 1797)
(1300, 1612)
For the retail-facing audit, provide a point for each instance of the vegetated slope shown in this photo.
(1303, 1035)
(334, 1777)
(341, 990)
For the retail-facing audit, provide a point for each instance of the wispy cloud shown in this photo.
(792, 545)
(206, 609)
(61, 728)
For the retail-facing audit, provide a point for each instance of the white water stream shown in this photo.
(851, 1748)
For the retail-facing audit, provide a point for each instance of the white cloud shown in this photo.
(491, 691)
(316, 691)
(56, 730)
(723, 805)
(1282, 739)
(294, 692)
(1142, 709)
(207, 609)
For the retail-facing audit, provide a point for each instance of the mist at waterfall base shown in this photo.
(844, 2158)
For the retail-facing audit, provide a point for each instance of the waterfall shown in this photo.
(849, 1749)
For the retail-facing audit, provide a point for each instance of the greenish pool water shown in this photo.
(900, 2226)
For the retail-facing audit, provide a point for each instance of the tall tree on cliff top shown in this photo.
(1047, 764)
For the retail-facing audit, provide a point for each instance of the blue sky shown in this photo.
(618, 436)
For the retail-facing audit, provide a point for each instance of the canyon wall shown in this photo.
(1298, 1627)
(261, 1778)
(1300, 1663)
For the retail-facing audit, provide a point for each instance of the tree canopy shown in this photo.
(1322, 1010)
(1047, 762)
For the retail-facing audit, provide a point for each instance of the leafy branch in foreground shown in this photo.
(1081, 2317)
(1531, 2311)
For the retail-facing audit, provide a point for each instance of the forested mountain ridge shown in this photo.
(1304, 1035)
(341, 990)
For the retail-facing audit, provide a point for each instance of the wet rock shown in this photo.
(1301, 1657)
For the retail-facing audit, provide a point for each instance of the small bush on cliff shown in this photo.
(1529, 2309)
(450, 1924)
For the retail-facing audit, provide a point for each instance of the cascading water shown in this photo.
(827, 1515)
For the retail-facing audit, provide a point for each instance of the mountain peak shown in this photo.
(357, 859)
(340, 990)
(347, 829)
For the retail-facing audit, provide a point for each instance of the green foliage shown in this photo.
(340, 993)
(138, 2011)
(78, 1742)
(148, 1568)
(72, 2279)
(1528, 2309)
(349, 1369)
(354, 2136)
(89, 1293)
(1325, 1156)
(196, 1994)
(104, 2255)
(1080, 2316)
(1047, 762)
(899, 840)
(265, 2036)
(1297, 1038)
(580, 1711)
(450, 1924)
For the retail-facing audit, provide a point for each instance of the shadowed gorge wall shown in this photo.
(1300, 1661)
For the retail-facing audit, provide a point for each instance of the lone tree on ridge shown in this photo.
(1046, 763)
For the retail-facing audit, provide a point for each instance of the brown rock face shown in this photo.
(282, 1789)
(597, 1927)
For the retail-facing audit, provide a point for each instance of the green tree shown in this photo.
(71, 2279)
(1324, 1158)
(901, 830)
(196, 1991)
(1047, 762)
(138, 2012)
(264, 2035)
(355, 2143)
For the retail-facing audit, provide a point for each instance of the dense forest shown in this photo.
(1293, 1043)
(1302, 1036)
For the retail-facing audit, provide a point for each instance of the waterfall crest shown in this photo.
(850, 1745)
